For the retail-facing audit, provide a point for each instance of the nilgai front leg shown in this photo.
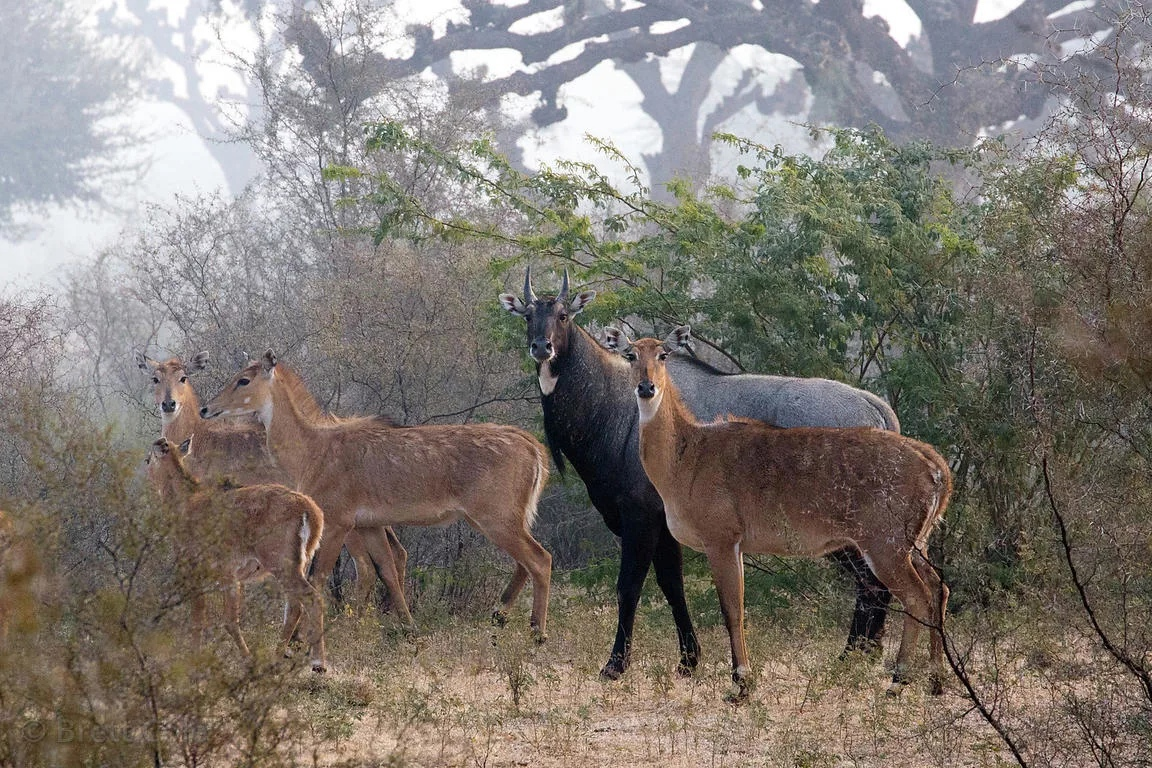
(637, 547)
(727, 565)
(668, 561)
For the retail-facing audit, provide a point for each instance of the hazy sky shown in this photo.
(178, 162)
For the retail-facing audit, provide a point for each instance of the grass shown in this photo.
(459, 692)
(462, 693)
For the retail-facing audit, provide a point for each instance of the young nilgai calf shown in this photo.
(230, 534)
(367, 472)
(739, 485)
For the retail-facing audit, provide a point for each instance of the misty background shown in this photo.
(167, 94)
(945, 202)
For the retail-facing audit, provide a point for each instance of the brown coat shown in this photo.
(739, 485)
(230, 534)
(369, 472)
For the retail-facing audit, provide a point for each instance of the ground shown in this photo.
(465, 694)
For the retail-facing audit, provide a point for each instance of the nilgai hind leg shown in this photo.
(532, 561)
(924, 597)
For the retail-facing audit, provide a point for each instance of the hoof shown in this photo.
(687, 665)
(742, 679)
(539, 637)
(319, 667)
(738, 695)
(499, 618)
(869, 649)
(408, 633)
(896, 688)
(614, 669)
(935, 685)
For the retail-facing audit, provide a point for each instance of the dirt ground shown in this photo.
(465, 694)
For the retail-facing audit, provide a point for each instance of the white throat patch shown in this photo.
(265, 414)
(649, 407)
(547, 380)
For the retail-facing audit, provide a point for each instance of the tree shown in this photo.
(30, 348)
(847, 63)
(308, 131)
(61, 89)
(195, 42)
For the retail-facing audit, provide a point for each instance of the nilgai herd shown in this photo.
(673, 452)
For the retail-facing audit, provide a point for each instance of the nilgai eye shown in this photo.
(243, 382)
(183, 379)
(629, 356)
(155, 380)
(563, 318)
(663, 356)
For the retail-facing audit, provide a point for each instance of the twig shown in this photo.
(1126, 660)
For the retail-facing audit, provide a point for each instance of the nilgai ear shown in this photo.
(198, 363)
(583, 299)
(145, 363)
(611, 338)
(679, 337)
(513, 304)
(161, 445)
(186, 446)
(268, 362)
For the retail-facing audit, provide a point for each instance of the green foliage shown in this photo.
(998, 322)
(997, 298)
(858, 266)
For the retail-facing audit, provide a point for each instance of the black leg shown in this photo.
(669, 564)
(336, 582)
(872, 599)
(636, 551)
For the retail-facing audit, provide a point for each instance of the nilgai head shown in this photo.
(165, 463)
(549, 318)
(647, 361)
(170, 385)
(248, 392)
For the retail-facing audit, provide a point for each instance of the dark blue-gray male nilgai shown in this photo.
(590, 419)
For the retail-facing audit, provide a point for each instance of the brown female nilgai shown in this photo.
(738, 485)
(590, 421)
(236, 449)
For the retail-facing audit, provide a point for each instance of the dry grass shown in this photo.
(464, 694)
